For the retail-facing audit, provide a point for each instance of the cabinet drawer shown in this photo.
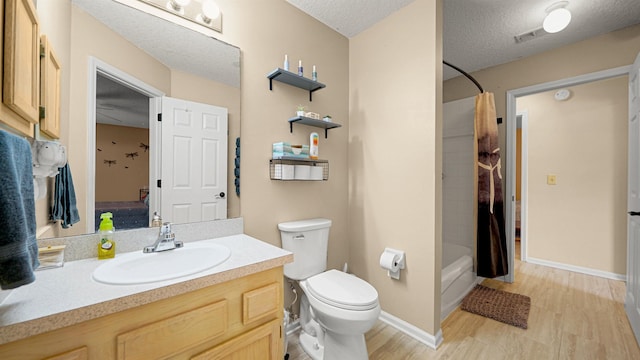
(175, 334)
(263, 342)
(77, 354)
(260, 303)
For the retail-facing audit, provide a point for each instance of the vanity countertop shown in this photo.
(68, 295)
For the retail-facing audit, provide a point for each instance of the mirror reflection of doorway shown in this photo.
(122, 154)
(110, 105)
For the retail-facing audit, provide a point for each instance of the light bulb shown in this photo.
(178, 5)
(556, 20)
(210, 10)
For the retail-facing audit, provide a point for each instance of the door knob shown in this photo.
(221, 195)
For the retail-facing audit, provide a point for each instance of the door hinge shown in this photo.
(159, 117)
(159, 183)
(43, 112)
(42, 52)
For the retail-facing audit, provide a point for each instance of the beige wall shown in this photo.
(395, 159)
(581, 221)
(265, 31)
(123, 180)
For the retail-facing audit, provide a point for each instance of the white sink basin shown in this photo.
(140, 268)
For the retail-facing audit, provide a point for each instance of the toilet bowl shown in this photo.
(345, 307)
(341, 307)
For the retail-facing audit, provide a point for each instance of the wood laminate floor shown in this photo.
(573, 316)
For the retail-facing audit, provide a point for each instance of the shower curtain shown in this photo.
(491, 243)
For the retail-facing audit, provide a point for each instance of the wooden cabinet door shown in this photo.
(21, 80)
(263, 342)
(50, 73)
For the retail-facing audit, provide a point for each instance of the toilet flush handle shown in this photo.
(299, 237)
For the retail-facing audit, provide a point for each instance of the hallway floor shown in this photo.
(573, 316)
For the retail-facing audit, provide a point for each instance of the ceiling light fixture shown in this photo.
(558, 17)
(203, 12)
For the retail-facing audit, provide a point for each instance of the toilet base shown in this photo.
(311, 346)
(345, 347)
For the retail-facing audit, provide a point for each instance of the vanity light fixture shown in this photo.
(210, 12)
(203, 12)
(558, 17)
(177, 5)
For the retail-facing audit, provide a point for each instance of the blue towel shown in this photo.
(64, 201)
(18, 246)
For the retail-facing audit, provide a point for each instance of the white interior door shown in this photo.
(194, 161)
(632, 299)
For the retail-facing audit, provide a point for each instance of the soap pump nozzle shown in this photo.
(157, 220)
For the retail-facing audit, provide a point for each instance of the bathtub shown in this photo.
(458, 278)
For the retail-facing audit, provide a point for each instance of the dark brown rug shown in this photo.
(506, 307)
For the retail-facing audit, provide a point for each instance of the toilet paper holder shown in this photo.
(393, 261)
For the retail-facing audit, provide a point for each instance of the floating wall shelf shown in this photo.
(326, 125)
(293, 79)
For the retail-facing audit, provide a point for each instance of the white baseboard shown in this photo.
(413, 331)
(578, 269)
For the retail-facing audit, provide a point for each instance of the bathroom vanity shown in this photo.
(232, 310)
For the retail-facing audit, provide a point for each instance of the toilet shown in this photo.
(337, 308)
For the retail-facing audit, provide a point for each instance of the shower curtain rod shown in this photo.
(465, 74)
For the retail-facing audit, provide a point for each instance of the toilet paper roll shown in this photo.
(390, 261)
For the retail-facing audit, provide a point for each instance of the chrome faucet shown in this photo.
(166, 241)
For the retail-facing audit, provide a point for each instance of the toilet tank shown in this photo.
(307, 240)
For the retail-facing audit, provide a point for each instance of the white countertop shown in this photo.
(69, 295)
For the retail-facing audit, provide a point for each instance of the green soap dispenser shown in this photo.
(106, 247)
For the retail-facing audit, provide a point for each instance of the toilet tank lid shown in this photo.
(304, 225)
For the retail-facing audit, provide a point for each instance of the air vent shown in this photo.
(529, 35)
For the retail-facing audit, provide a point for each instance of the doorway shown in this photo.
(512, 97)
(122, 85)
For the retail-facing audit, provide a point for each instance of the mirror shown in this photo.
(192, 66)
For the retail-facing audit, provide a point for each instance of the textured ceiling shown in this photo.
(480, 33)
(349, 17)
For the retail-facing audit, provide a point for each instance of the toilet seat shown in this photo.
(342, 290)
